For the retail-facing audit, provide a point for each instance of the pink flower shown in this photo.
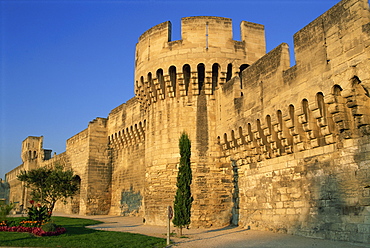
(35, 230)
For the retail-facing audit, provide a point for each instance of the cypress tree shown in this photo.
(183, 198)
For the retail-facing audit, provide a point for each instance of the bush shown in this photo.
(49, 227)
(12, 222)
(5, 210)
(38, 213)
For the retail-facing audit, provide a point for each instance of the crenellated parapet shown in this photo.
(128, 136)
(342, 114)
(204, 59)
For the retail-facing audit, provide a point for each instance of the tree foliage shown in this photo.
(48, 185)
(183, 198)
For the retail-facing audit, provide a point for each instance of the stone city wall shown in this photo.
(300, 149)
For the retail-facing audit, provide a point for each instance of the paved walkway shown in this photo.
(230, 237)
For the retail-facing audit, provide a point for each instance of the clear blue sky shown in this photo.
(64, 63)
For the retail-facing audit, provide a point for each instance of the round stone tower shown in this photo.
(205, 57)
(176, 84)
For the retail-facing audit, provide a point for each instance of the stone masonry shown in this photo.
(274, 147)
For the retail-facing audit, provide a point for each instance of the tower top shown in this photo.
(205, 40)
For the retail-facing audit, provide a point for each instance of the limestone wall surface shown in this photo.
(16, 191)
(301, 146)
(126, 128)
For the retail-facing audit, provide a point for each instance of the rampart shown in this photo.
(300, 147)
(274, 147)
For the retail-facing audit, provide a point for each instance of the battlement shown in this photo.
(32, 149)
(284, 108)
(206, 48)
(193, 30)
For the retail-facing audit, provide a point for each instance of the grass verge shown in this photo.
(79, 236)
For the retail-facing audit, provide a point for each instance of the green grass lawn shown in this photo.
(79, 236)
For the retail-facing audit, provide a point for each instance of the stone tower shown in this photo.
(175, 83)
(33, 152)
(32, 155)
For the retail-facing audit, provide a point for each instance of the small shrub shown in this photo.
(5, 210)
(13, 222)
(38, 213)
(49, 227)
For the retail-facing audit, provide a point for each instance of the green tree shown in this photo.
(183, 198)
(48, 185)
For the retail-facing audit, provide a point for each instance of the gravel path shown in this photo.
(230, 237)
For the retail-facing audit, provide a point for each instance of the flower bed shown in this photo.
(37, 231)
(37, 222)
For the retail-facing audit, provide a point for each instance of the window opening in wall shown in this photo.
(150, 78)
(241, 133)
(186, 71)
(215, 68)
(229, 72)
(172, 72)
(337, 90)
(355, 82)
(161, 81)
(259, 129)
(291, 113)
(268, 120)
(151, 85)
(225, 140)
(233, 138)
(201, 75)
(241, 69)
(305, 108)
(321, 104)
(280, 118)
(249, 129)
(142, 84)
